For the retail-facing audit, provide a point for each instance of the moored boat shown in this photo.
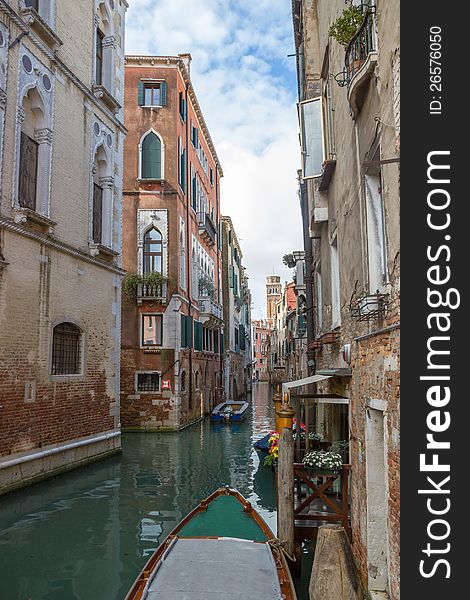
(230, 411)
(222, 549)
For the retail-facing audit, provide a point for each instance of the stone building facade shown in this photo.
(172, 318)
(237, 315)
(61, 147)
(349, 98)
(261, 332)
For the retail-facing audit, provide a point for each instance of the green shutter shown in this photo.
(230, 276)
(140, 93)
(184, 343)
(163, 93)
(241, 336)
(222, 347)
(197, 335)
(189, 332)
(183, 171)
(151, 157)
(196, 136)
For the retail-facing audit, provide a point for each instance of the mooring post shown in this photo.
(277, 398)
(285, 480)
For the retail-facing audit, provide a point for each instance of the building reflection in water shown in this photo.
(87, 534)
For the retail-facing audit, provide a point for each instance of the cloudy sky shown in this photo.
(246, 87)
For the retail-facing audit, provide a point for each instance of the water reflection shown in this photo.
(86, 534)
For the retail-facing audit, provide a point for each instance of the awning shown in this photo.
(305, 381)
(340, 372)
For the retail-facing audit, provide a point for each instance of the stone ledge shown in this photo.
(41, 27)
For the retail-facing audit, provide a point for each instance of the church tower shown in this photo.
(273, 295)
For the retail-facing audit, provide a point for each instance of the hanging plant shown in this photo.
(154, 279)
(346, 26)
(130, 284)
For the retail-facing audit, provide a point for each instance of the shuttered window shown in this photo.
(151, 157)
(97, 214)
(28, 172)
(186, 331)
(182, 106)
(197, 335)
(152, 93)
(242, 337)
(182, 166)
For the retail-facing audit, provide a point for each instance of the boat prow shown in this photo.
(222, 549)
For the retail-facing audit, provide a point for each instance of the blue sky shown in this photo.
(246, 86)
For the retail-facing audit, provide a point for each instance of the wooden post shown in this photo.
(277, 398)
(285, 487)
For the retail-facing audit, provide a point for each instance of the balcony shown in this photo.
(206, 228)
(210, 313)
(152, 293)
(360, 61)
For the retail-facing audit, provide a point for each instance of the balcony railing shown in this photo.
(362, 44)
(210, 308)
(156, 293)
(206, 227)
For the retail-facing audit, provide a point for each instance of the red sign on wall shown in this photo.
(166, 384)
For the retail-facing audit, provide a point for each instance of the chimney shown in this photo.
(186, 58)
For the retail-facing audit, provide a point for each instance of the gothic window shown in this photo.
(28, 172)
(151, 157)
(99, 57)
(97, 214)
(66, 349)
(153, 251)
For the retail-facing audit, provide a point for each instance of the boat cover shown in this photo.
(216, 569)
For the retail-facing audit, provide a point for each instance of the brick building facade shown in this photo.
(349, 97)
(61, 144)
(237, 315)
(172, 321)
(261, 333)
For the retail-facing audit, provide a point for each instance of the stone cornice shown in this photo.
(177, 61)
(6, 9)
(41, 238)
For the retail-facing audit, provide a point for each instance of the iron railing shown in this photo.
(362, 44)
(206, 226)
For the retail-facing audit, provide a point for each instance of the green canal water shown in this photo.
(86, 534)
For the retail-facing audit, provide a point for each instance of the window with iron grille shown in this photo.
(148, 382)
(28, 172)
(97, 214)
(66, 349)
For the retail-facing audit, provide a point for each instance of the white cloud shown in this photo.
(246, 87)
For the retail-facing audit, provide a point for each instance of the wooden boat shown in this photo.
(262, 445)
(221, 550)
(230, 411)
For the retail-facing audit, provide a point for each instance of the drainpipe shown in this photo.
(308, 274)
(188, 246)
(217, 200)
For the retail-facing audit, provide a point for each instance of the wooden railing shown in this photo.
(339, 510)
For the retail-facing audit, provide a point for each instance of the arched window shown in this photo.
(151, 165)
(66, 349)
(153, 251)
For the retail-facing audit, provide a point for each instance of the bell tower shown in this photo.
(273, 295)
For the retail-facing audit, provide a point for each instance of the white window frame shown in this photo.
(136, 382)
(335, 285)
(141, 335)
(151, 130)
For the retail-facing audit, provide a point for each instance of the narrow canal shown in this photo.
(85, 535)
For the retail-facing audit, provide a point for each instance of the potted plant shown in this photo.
(323, 463)
(346, 26)
(273, 453)
(206, 287)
